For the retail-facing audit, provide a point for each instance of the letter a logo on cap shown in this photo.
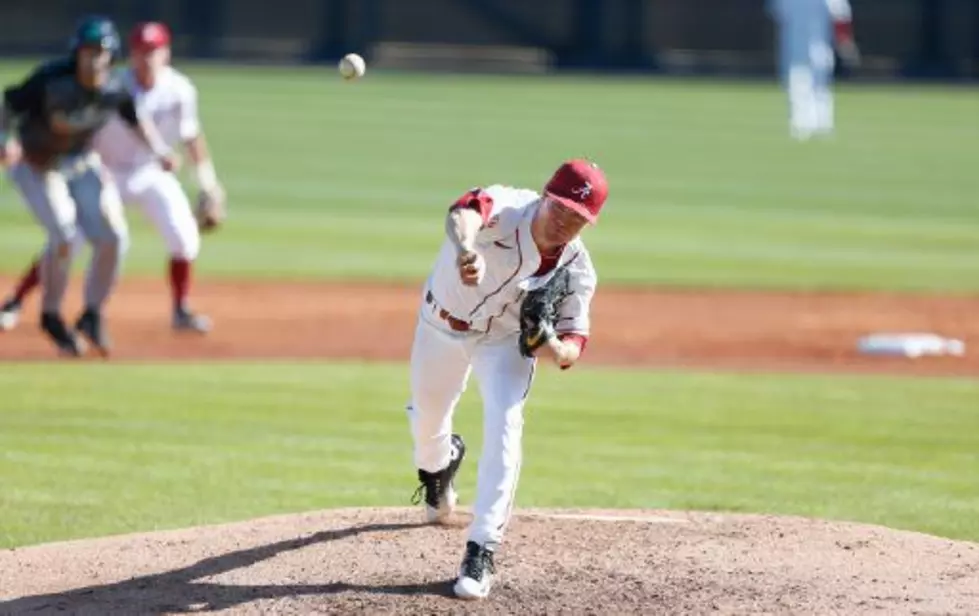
(582, 191)
(579, 185)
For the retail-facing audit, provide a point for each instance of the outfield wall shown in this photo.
(900, 38)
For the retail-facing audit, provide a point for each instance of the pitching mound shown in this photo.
(382, 560)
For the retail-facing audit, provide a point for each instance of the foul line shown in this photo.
(593, 517)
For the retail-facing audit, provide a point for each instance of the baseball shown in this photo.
(352, 66)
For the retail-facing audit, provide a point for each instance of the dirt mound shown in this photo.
(383, 561)
(652, 327)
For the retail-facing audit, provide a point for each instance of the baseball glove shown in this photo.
(538, 312)
(211, 211)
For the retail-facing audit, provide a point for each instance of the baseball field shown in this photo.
(722, 447)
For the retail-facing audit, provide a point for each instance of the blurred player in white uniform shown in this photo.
(170, 98)
(807, 30)
(501, 243)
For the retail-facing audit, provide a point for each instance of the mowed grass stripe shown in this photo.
(136, 447)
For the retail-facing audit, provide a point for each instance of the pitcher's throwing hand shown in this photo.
(471, 267)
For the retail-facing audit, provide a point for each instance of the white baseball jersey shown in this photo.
(512, 259)
(172, 105)
(443, 356)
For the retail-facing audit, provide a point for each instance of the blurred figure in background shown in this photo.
(48, 123)
(170, 99)
(807, 30)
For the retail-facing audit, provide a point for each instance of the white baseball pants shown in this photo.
(162, 199)
(806, 63)
(74, 202)
(441, 362)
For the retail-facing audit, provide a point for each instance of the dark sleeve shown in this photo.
(25, 97)
(127, 109)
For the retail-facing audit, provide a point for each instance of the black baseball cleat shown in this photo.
(90, 326)
(476, 574)
(438, 488)
(63, 338)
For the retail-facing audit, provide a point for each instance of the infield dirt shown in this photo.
(717, 329)
(383, 561)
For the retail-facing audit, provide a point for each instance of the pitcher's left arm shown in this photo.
(572, 324)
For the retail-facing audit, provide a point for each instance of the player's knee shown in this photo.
(504, 414)
(431, 402)
(424, 403)
(62, 250)
(63, 240)
(186, 244)
(187, 250)
(115, 239)
(79, 241)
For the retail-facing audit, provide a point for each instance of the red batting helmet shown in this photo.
(149, 35)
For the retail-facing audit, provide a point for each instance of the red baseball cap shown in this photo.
(149, 35)
(580, 185)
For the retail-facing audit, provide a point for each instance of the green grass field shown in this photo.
(331, 180)
(706, 187)
(200, 443)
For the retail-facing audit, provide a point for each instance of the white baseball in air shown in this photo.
(352, 66)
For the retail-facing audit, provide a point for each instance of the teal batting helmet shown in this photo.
(96, 31)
